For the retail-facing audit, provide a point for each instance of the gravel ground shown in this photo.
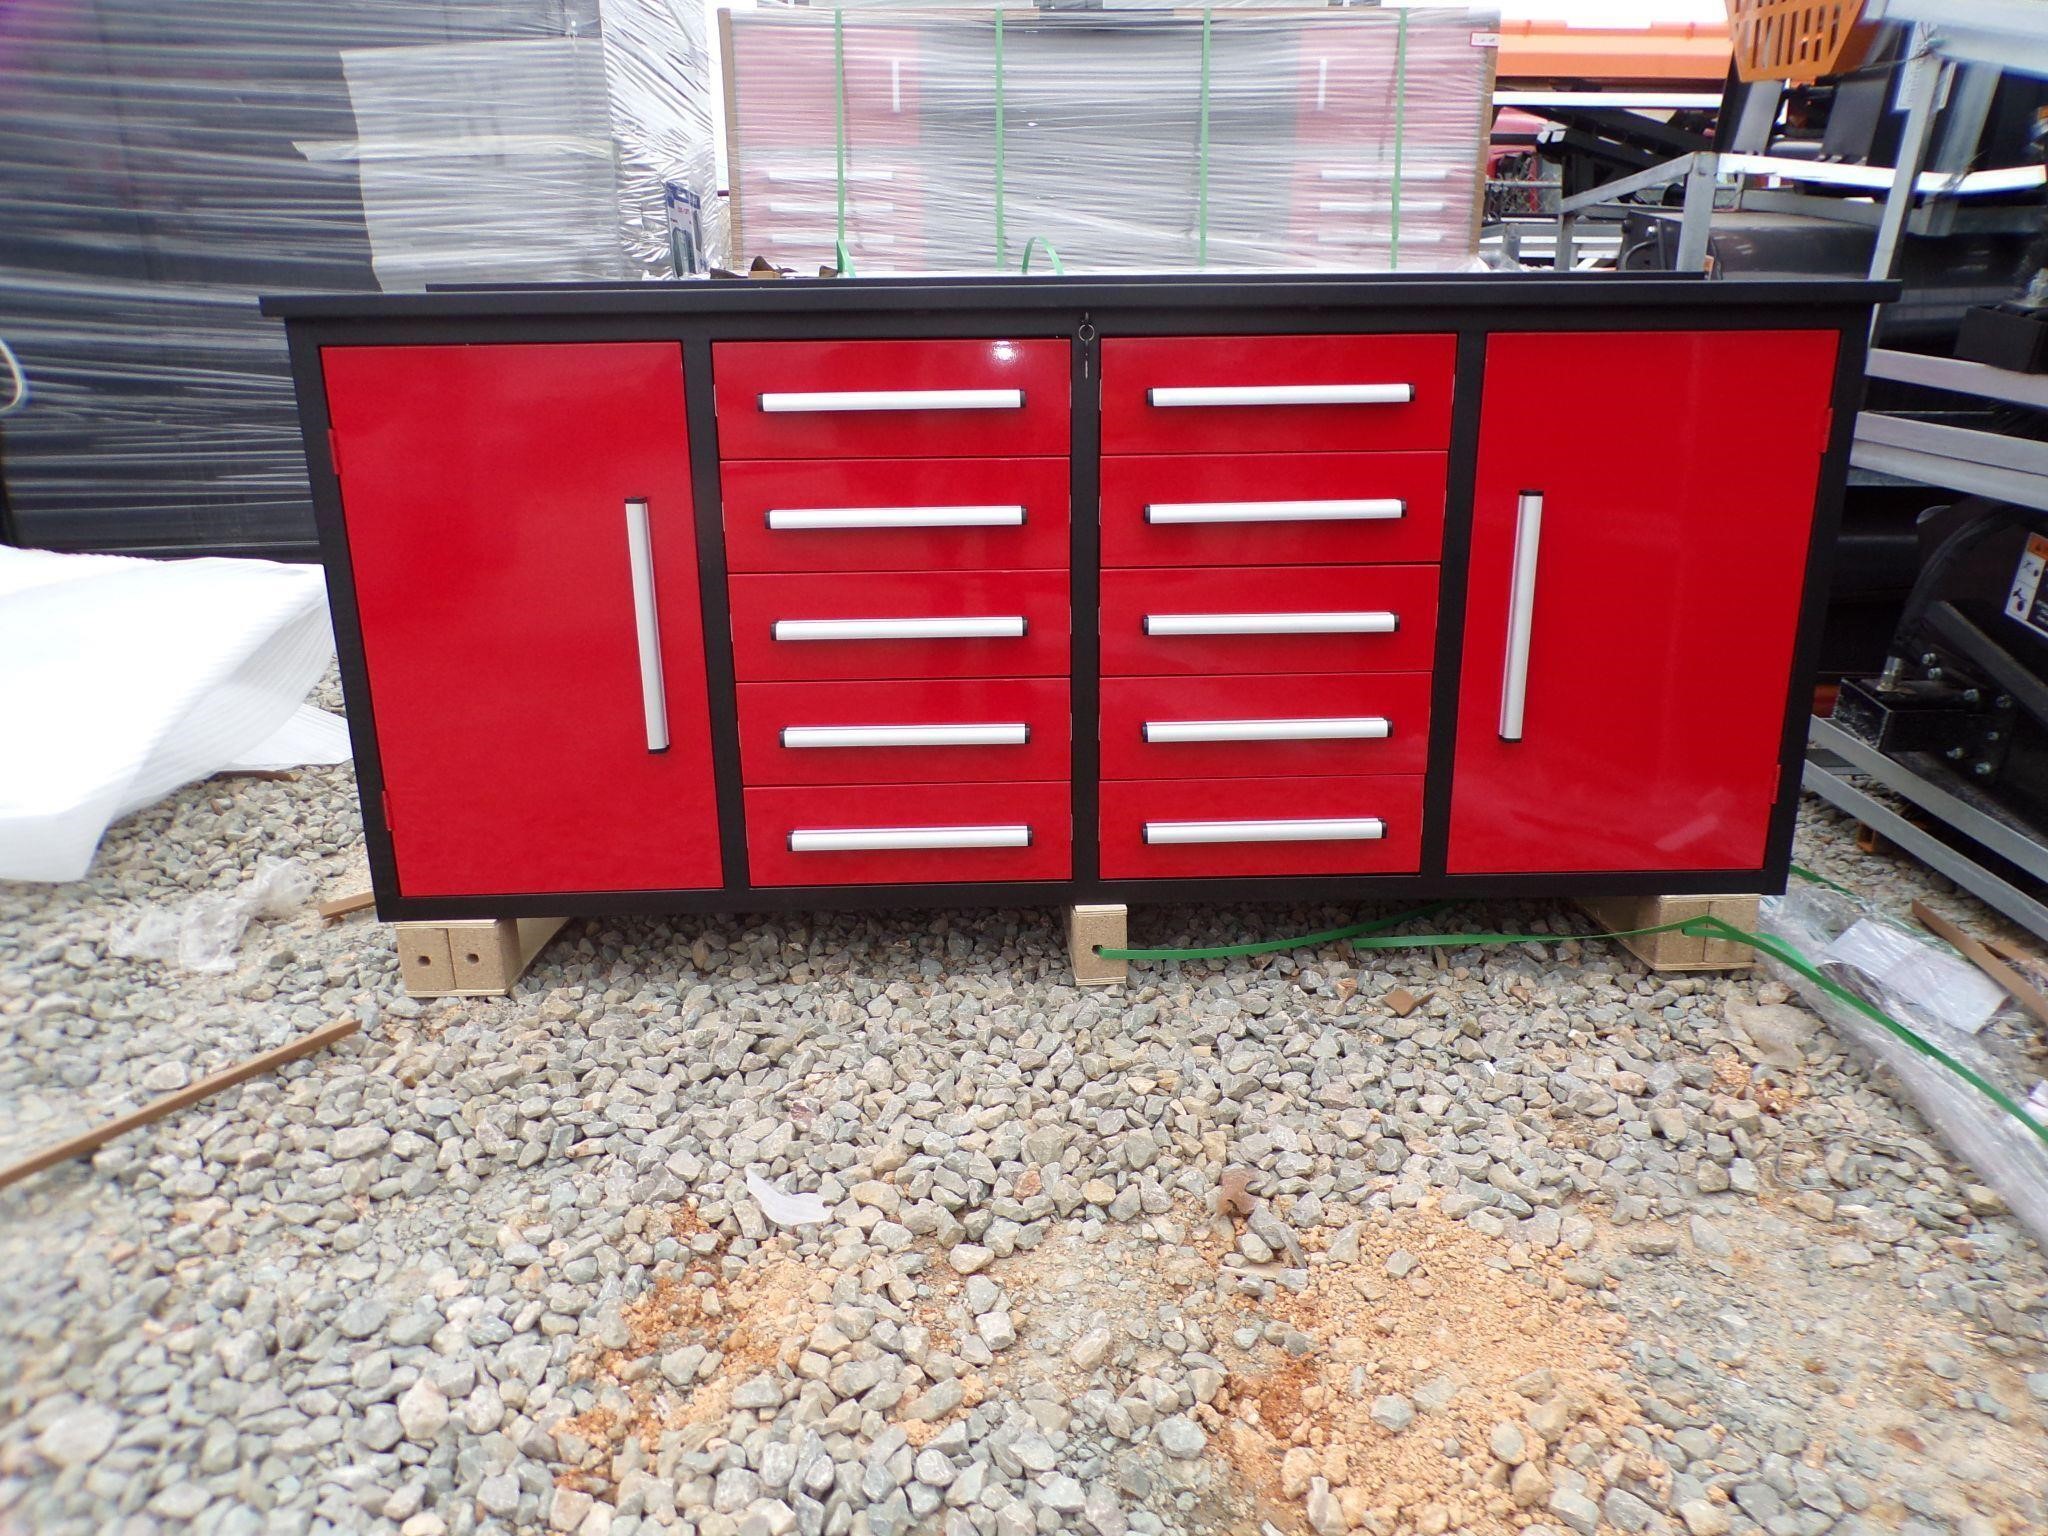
(1568, 1248)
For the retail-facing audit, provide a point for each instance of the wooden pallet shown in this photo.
(1677, 951)
(483, 958)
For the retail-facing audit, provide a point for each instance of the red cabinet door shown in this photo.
(1660, 606)
(485, 491)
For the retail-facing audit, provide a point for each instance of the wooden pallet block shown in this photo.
(1098, 927)
(481, 958)
(1677, 951)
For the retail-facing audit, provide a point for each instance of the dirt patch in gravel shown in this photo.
(1465, 1331)
(748, 1320)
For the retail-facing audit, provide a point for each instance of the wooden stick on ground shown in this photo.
(206, 1087)
(341, 906)
(2023, 991)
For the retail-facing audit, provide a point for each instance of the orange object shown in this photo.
(1797, 39)
(1550, 51)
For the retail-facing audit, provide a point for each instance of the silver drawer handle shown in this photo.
(993, 627)
(1379, 173)
(877, 839)
(906, 735)
(1335, 829)
(1359, 728)
(895, 517)
(647, 624)
(1514, 685)
(1274, 511)
(805, 175)
(1379, 205)
(1271, 623)
(1283, 394)
(894, 400)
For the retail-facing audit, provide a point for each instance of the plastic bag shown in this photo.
(203, 933)
(126, 678)
(1918, 981)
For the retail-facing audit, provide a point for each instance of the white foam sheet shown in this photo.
(122, 679)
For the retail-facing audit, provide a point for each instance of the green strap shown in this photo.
(1400, 130)
(1371, 936)
(844, 257)
(1002, 243)
(839, 120)
(1202, 157)
(1051, 252)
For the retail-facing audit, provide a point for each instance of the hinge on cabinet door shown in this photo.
(385, 798)
(334, 453)
(1827, 428)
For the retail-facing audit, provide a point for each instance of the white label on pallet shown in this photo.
(2024, 600)
(1485, 39)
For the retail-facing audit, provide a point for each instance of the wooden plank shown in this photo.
(2024, 992)
(341, 906)
(170, 1103)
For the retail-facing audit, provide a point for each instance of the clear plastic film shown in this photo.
(1929, 989)
(164, 166)
(1223, 139)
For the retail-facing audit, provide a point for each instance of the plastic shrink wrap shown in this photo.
(1168, 140)
(1938, 998)
(166, 163)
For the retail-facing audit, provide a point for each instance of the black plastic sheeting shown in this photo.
(163, 162)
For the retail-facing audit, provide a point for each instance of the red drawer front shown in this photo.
(1182, 806)
(1304, 723)
(789, 209)
(1281, 595)
(1134, 420)
(778, 818)
(903, 726)
(883, 399)
(1267, 509)
(910, 603)
(929, 514)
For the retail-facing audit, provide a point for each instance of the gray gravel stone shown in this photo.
(1392, 1412)
(1181, 1437)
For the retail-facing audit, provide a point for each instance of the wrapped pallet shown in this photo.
(900, 140)
(166, 165)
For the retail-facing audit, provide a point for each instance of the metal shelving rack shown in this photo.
(1979, 38)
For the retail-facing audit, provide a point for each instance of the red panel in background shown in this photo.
(745, 370)
(1666, 601)
(1132, 366)
(1038, 703)
(1129, 596)
(484, 489)
(752, 488)
(874, 69)
(1131, 484)
(1046, 809)
(1130, 803)
(1400, 698)
(1039, 597)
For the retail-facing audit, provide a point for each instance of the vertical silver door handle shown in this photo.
(647, 624)
(1514, 686)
